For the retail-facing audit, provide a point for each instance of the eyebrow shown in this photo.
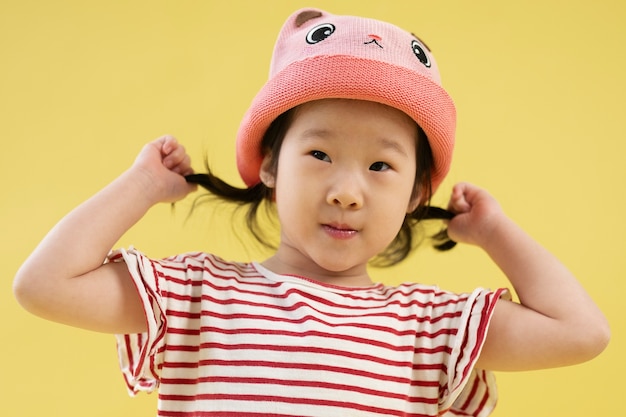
(385, 142)
(393, 145)
(315, 132)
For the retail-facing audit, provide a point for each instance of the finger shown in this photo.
(458, 201)
(168, 143)
(459, 206)
(184, 167)
(176, 157)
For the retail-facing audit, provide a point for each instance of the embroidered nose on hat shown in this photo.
(375, 39)
(319, 55)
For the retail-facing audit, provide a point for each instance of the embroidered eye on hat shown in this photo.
(319, 55)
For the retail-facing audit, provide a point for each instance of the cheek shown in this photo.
(295, 173)
(389, 211)
(397, 208)
(414, 201)
(290, 184)
(386, 230)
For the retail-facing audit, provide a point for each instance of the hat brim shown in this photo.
(349, 77)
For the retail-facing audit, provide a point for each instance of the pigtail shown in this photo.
(220, 188)
(441, 240)
(252, 197)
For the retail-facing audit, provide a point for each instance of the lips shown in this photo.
(339, 231)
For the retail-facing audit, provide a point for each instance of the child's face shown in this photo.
(344, 183)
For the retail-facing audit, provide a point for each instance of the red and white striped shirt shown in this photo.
(235, 339)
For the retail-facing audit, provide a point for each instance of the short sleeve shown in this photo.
(470, 391)
(140, 355)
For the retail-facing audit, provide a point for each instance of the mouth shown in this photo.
(339, 231)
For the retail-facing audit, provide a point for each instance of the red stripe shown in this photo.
(116, 257)
(422, 334)
(430, 367)
(160, 332)
(487, 310)
(129, 359)
(288, 400)
(364, 317)
(431, 351)
(473, 355)
(481, 331)
(221, 414)
(486, 395)
(285, 348)
(154, 305)
(471, 394)
(289, 348)
(298, 334)
(304, 384)
(300, 366)
(294, 321)
(293, 291)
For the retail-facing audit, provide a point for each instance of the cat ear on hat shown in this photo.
(306, 15)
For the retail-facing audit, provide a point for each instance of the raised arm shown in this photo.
(65, 280)
(556, 323)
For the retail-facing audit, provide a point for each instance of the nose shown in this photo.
(346, 191)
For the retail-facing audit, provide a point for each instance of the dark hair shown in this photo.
(405, 241)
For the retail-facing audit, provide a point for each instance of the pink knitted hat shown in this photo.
(319, 55)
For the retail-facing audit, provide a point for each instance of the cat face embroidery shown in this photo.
(323, 31)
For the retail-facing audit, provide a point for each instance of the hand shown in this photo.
(477, 214)
(163, 163)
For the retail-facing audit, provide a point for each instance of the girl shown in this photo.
(347, 140)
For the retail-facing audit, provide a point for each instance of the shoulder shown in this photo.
(196, 265)
(433, 303)
(190, 266)
(424, 293)
(205, 261)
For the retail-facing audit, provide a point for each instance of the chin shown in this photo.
(340, 267)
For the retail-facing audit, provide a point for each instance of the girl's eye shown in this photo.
(379, 166)
(320, 155)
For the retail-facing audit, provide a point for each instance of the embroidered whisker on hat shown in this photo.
(319, 55)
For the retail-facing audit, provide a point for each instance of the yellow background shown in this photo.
(540, 89)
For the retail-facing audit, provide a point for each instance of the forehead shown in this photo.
(344, 110)
(353, 121)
